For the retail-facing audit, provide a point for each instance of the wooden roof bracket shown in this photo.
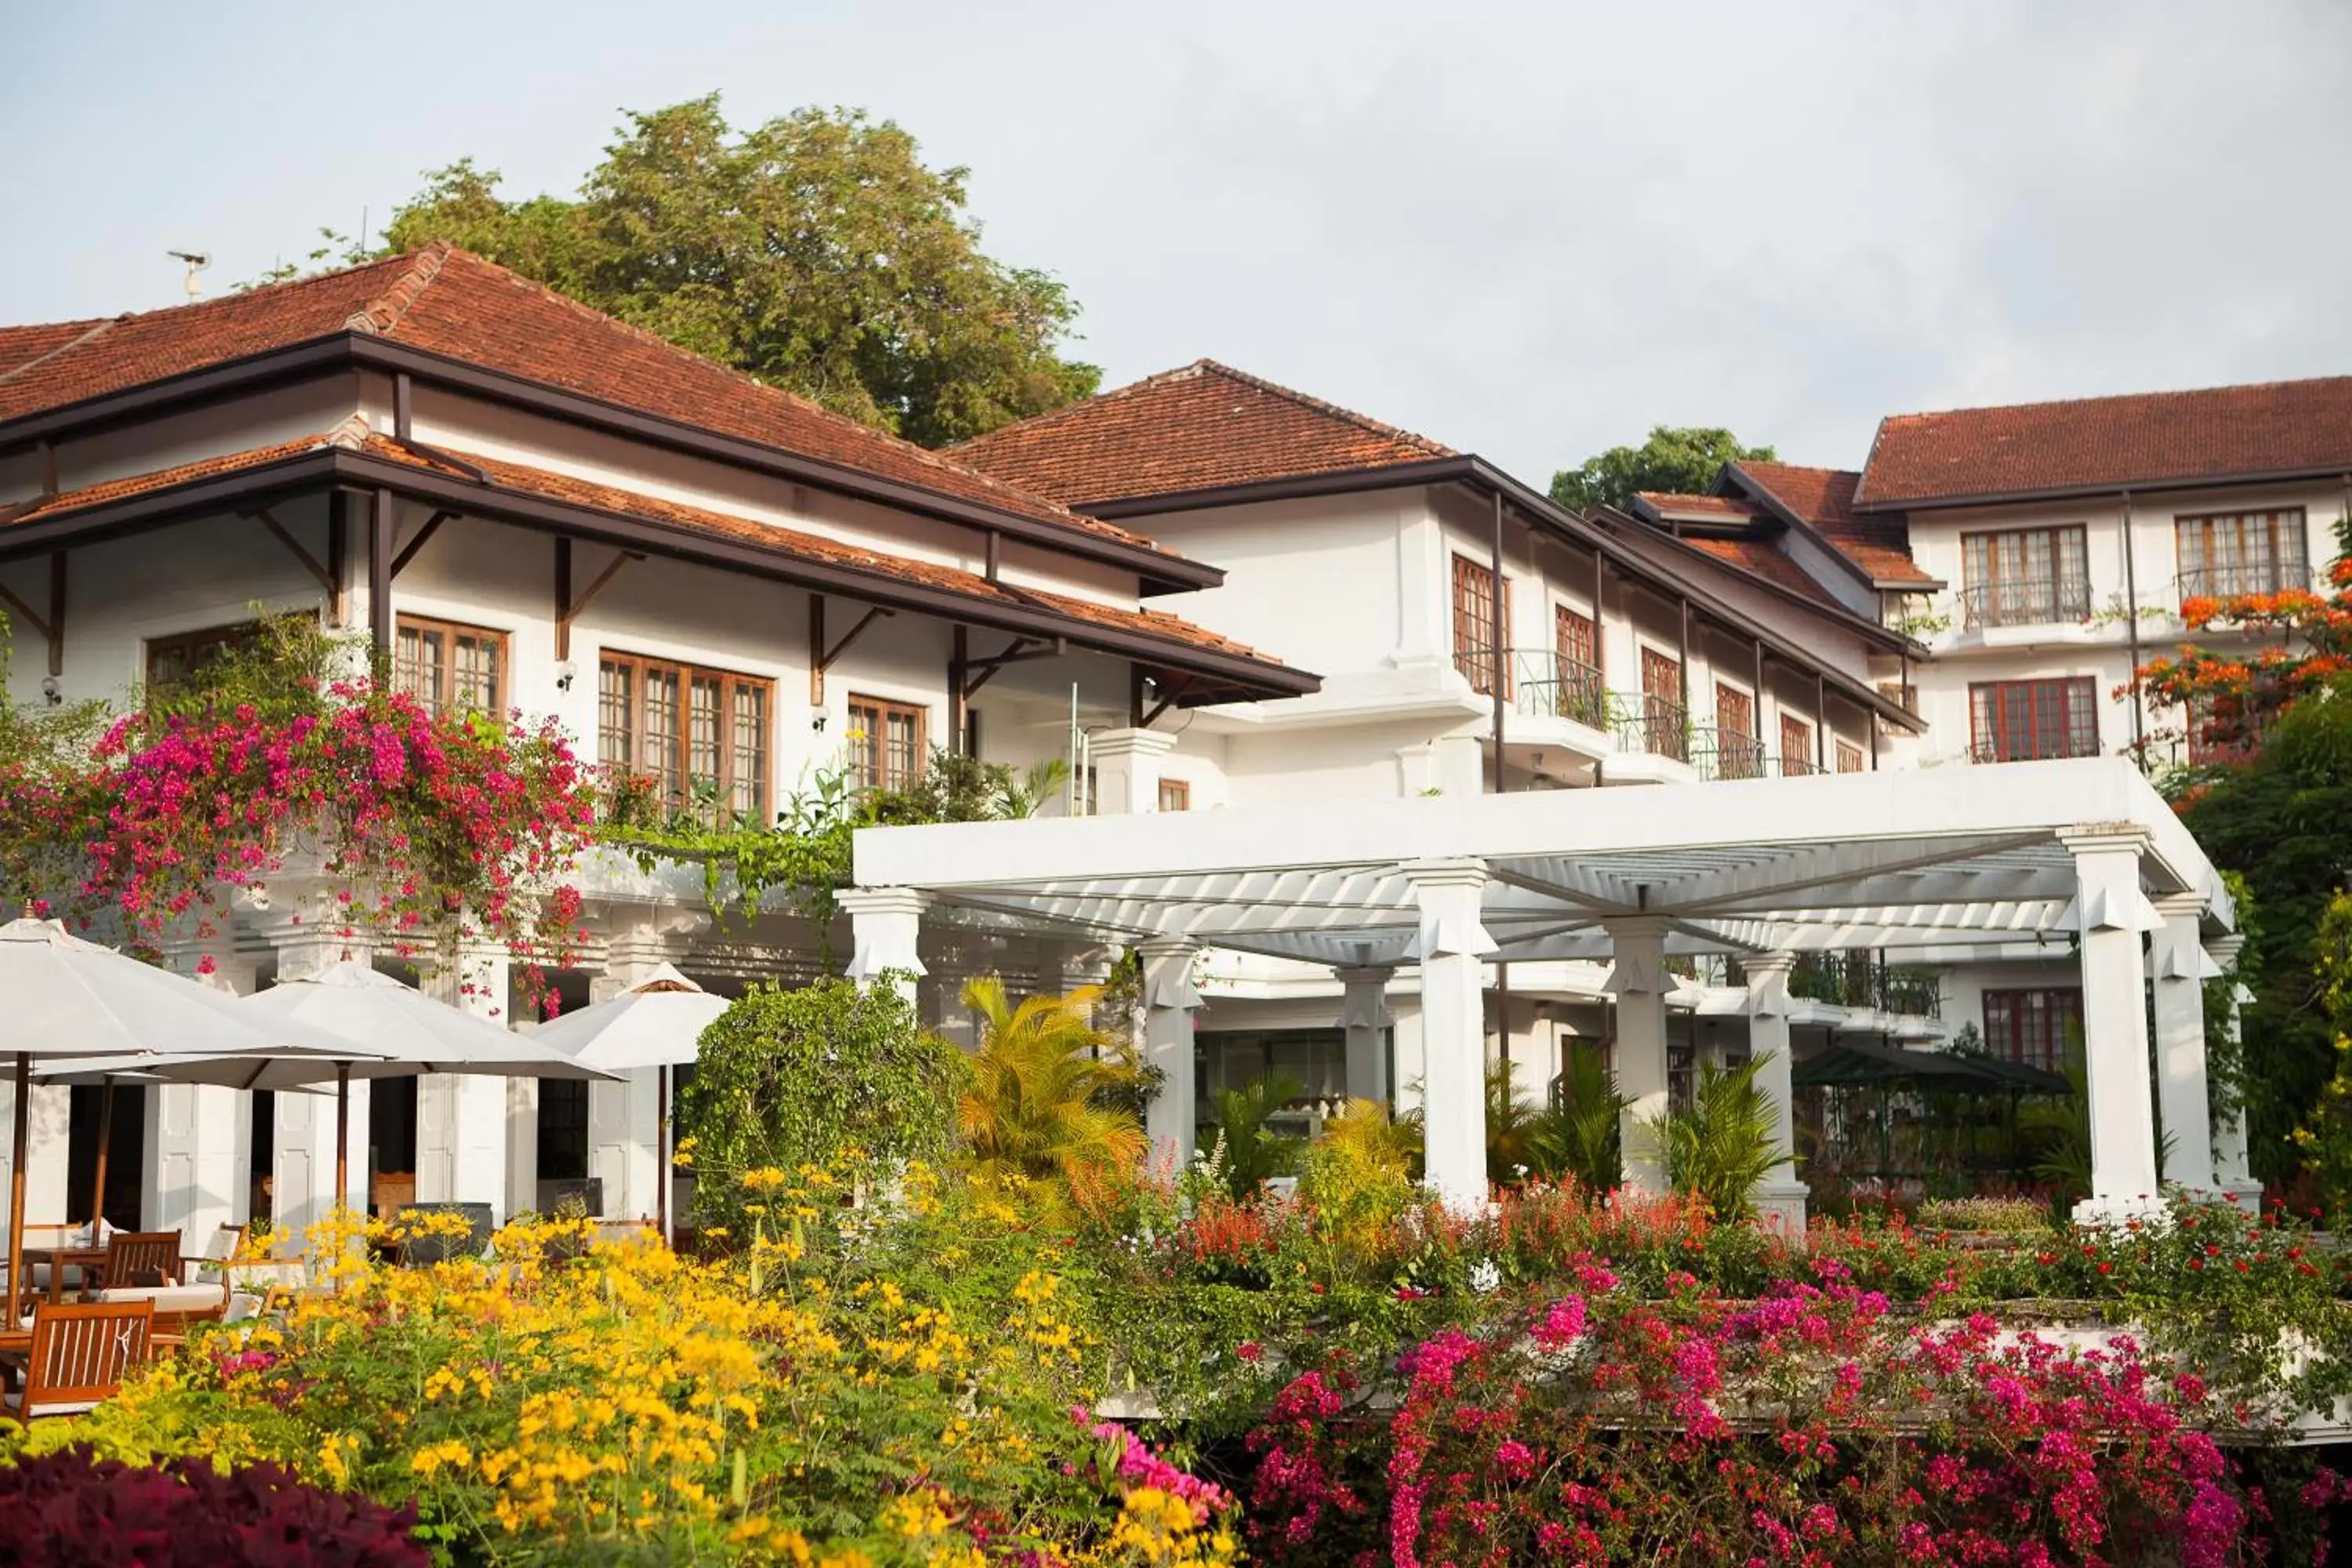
(567, 608)
(821, 658)
(1016, 651)
(51, 627)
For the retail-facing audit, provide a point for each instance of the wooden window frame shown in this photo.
(1993, 596)
(1474, 626)
(2027, 1024)
(191, 645)
(444, 702)
(1175, 795)
(1990, 737)
(729, 683)
(876, 734)
(1665, 721)
(2289, 566)
(1843, 749)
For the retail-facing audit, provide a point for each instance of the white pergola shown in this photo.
(1764, 868)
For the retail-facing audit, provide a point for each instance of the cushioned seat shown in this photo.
(14, 1403)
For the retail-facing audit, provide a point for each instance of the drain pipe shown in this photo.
(2131, 636)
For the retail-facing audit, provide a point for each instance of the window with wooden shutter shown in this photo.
(1576, 648)
(1474, 626)
(1796, 746)
(1666, 727)
(886, 743)
(2026, 720)
(450, 668)
(700, 738)
(1737, 755)
(1849, 757)
(2227, 556)
(1175, 795)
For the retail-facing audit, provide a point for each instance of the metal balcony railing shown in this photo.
(2026, 601)
(2036, 749)
(2239, 579)
(1547, 686)
(1863, 978)
(1652, 725)
(1720, 753)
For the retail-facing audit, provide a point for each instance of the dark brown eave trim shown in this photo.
(2105, 488)
(1477, 472)
(1157, 571)
(1885, 638)
(1238, 678)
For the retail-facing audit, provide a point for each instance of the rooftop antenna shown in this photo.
(197, 262)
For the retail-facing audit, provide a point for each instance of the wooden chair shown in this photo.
(80, 1354)
(143, 1258)
(227, 1239)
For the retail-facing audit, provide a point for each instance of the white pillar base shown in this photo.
(1781, 1209)
(2115, 1213)
(2242, 1190)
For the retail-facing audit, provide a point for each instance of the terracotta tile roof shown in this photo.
(452, 302)
(1823, 497)
(1758, 558)
(353, 434)
(1673, 504)
(124, 489)
(2101, 443)
(1201, 427)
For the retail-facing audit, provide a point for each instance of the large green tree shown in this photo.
(1683, 459)
(816, 251)
(2279, 820)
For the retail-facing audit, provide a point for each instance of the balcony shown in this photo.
(1547, 686)
(2244, 579)
(2026, 602)
(1864, 978)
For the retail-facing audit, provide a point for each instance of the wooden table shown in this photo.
(90, 1260)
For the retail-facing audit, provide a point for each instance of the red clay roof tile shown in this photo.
(2103, 443)
(1202, 427)
(548, 485)
(1675, 504)
(1823, 497)
(452, 302)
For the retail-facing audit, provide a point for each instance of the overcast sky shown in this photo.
(1529, 231)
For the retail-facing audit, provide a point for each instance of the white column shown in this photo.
(1127, 769)
(1452, 945)
(1779, 1198)
(1169, 999)
(2115, 915)
(197, 1158)
(2181, 971)
(624, 1119)
(1364, 1015)
(2234, 1173)
(886, 924)
(461, 1118)
(49, 1126)
(302, 1134)
(1640, 982)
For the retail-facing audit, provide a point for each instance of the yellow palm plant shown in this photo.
(1036, 1113)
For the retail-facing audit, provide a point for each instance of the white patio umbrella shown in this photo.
(63, 997)
(657, 1022)
(400, 1032)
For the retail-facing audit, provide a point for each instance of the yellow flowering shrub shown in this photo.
(894, 1382)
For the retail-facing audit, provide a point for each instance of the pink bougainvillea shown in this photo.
(1812, 1428)
(437, 830)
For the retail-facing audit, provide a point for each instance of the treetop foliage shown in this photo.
(816, 251)
(1680, 458)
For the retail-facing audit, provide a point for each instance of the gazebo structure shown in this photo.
(1928, 863)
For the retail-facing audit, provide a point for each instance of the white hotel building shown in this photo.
(533, 507)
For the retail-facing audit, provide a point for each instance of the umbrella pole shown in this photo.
(661, 1151)
(342, 1134)
(17, 1181)
(105, 1142)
